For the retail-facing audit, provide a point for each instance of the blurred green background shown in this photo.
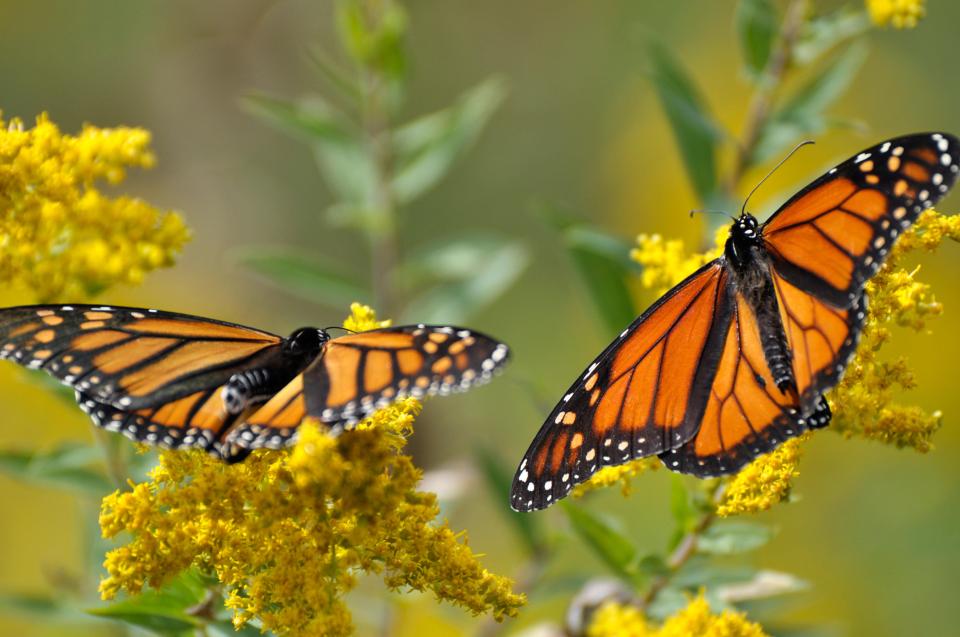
(875, 532)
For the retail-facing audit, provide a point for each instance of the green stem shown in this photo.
(761, 104)
(685, 550)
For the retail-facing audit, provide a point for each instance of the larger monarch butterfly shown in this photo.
(182, 381)
(735, 359)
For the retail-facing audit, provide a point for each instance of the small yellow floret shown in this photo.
(902, 14)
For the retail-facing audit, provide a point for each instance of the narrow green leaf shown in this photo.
(455, 301)
(729, 538)
(312, 119)
(302, 276)
(343, 158)
(822, 33)
(335, 76)
(426, 148)
(499, 480)
(164, 610)
(694, 129)
(69, 466)
(607, 543)
(803, 114)
(41, 608)
(603, 263)
(757, 25)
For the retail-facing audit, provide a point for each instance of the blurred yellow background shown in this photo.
(875, 532)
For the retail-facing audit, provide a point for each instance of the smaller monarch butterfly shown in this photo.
(735, 359)
(176, 380)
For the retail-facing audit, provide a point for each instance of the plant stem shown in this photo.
(686, 549)
(758, 113)
(382, 232)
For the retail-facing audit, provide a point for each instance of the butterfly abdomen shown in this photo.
(752, 278)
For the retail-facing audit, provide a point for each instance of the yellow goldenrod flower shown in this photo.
(696, 619)
(617, 620)
(288, 533)
(60, 237)
(622, 474)
(863, 402)
(902, 14)
(762, 483)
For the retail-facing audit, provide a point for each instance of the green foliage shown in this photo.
(498, 479)
(304, 276)
(804, 112)
(171, 610)
(756, 22)
(68, 466)
(696, 133)
(603, 262)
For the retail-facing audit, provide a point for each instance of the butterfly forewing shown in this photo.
(360, 373)
(643, 395)
(129, 357)
(832, 236)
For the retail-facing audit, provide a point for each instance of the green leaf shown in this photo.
(694, 129)
(499, 480)
(729, 538)
(682, 508)
(374, 38)
(603, 263)
(341, 153)
(757, 25)
(426, 148)
(302, 276)
(475, 279)
(164, 610)
(803, 114)
(335, 76)
(822, 33)
(609, 544)
(69, 466)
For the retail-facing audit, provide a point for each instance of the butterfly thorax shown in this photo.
(252, 386)
(749, 266)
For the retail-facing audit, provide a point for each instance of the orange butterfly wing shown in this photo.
(130, 358)
(360, 373)
(643, 395)
(831, 237)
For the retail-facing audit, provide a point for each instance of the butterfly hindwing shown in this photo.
(831, 237)
(643, 395)
(746, 414)
(359, 373)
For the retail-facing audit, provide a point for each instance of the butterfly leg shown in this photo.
(821, 415)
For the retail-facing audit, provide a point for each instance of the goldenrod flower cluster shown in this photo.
(288, 533)
(60, 237)
(864, 401)
(762, 483)
(622, 474)
(617, 620)
(902, 14)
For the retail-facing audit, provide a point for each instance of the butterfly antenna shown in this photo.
(712, 212)
(773, 170)
(338, 327)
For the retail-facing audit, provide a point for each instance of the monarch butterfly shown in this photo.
(735, 359)
(183, 381)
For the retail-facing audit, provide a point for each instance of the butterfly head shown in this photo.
(744, 234)
(306, 341)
